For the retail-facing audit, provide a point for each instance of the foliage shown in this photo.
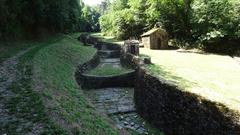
(215, 18)
(124, 19)
(91, 17)
(187, 21)
(21, 18)
(137, 16)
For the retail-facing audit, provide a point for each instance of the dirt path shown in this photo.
(8, 75)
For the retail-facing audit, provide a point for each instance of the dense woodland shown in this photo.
(190, 23)
(27, 18)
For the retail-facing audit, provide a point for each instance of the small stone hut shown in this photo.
(156, 38)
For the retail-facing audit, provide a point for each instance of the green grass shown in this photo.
(108, 39)
(215, 77)
(8, 49)
(54, 68)
(108, 70)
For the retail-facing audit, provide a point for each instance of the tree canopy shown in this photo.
(20, 18)
(196, 20)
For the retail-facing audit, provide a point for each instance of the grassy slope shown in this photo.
(213, 76)
(52, 102)
(54, 68)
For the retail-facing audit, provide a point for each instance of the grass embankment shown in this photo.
(108, 70)
(47, 99)
(215, 77)
(54, 68)
(24, 105)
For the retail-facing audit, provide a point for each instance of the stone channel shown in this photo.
(117, 102)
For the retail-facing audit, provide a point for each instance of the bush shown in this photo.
(222, 46)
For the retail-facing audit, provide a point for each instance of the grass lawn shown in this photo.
(216, 77)
(108, 70)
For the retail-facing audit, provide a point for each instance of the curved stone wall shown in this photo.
(106, 50)
(94, 82)
(86, 66)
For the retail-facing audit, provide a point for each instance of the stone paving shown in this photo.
(112, 100)
(119, 105)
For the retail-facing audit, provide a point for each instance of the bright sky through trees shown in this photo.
(92, 2)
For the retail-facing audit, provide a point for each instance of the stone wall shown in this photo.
(177, 112)
(130, 61)
(95, 82)
(86, 66)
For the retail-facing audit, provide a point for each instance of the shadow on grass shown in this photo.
(159, 71)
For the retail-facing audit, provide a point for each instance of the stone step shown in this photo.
(109, 53)
(110, 60)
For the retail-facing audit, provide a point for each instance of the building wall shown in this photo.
(146, 42)
(151, 41)
(154, 41)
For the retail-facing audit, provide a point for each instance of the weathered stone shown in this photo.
(125, 123)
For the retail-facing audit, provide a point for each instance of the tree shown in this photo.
(30, 17)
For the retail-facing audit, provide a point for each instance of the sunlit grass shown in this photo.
(108, 39)
(215, 77)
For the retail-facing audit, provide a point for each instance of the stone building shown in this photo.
(155, 38)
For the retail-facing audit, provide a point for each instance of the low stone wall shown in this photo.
(177, 112)
(92, 82)
(86, 66)
(95, 82)
(130, 61)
